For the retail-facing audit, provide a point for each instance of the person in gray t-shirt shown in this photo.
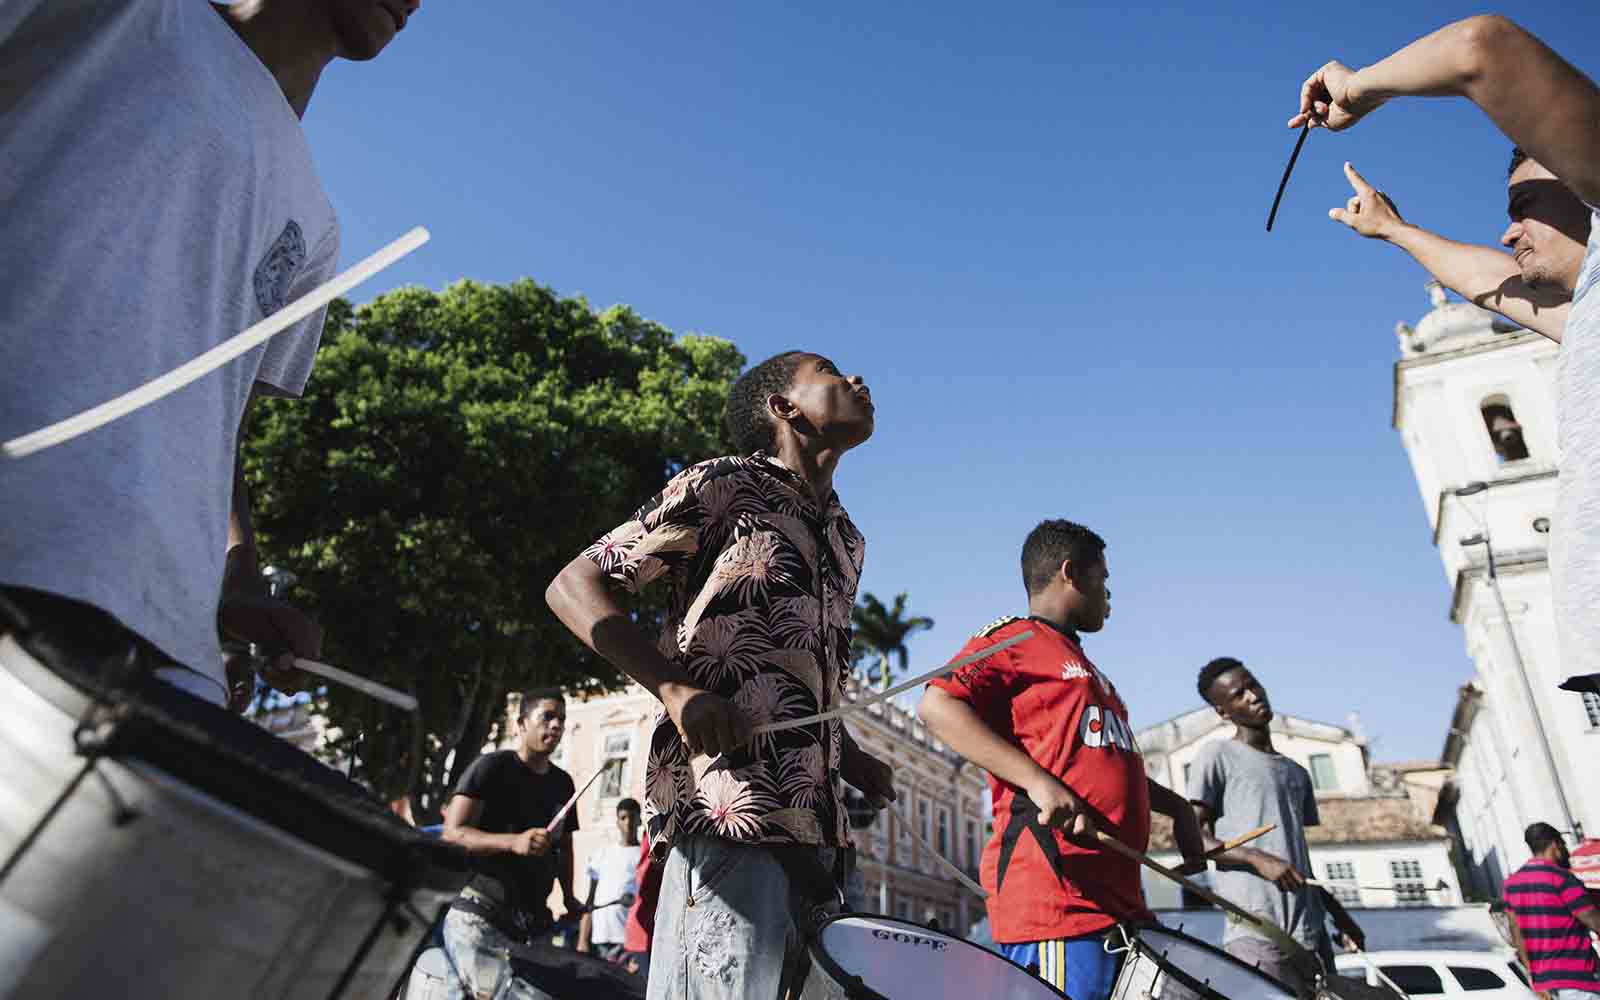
(180, 207)
(1551, 112)
(1241, 784)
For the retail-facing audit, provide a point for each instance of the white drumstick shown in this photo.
(562, 813)
(305, 305)
(864, 703)
(950, 865)
(399, 699)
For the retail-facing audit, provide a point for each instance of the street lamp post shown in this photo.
(1482, 538)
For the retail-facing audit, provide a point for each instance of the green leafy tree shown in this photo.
(453, 451)
(880, 633)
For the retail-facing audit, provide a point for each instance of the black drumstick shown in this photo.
(1286, 172)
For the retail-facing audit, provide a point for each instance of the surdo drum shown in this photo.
(153, 845)
(867, 957)
(1164, 964)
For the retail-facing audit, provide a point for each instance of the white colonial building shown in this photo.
(1375, 847)
(939, 794)
(1474, 405)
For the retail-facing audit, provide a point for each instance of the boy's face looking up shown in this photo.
(363, 28)
(823, 402)
(1239, 697)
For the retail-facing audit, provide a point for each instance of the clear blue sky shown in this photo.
(1037, 231)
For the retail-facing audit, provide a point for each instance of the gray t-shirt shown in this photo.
(1575, 540)
(158, 198)
(1245, 788)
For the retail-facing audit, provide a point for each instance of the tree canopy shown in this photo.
(453, 451)
(880, 633)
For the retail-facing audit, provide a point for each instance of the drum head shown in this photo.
(900, 960)
(1211, 972)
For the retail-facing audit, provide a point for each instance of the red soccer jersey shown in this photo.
(1044, 695)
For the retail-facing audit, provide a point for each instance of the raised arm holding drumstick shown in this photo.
(1551, 113)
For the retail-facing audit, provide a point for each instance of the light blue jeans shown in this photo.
(476, 962)
(728, 924)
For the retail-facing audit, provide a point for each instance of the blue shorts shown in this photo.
(1080, 967)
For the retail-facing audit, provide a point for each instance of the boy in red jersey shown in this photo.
(1053, 734)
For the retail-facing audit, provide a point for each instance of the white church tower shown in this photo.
(1474, 402)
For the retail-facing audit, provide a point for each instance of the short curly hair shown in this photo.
(1211, 671)
(1053, 543)
(749, 426)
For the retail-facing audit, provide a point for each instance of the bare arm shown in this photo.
(1185, 825)
(1483, 275)
(1520, 945)
(462, 811)
(581, 597)
(1539, 100)
(1590, 918)
(961, 729)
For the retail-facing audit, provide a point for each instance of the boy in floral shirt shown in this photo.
(763, 564)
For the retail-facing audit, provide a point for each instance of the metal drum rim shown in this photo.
(1135, 933)
(815, 950)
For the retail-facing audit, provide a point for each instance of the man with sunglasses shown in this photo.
(1551, 112)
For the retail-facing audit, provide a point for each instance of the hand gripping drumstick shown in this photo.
(216, 357)
(561, 814)
(864, 703)
(1241, 840)
(398, 699)
(1290, 947)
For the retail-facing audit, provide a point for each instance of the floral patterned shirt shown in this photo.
(763, 580)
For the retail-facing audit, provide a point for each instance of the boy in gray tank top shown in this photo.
(1244, 783)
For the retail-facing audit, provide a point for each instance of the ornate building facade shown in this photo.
(941, 797)
(1474, 405)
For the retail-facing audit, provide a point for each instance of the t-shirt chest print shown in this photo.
(762, 582)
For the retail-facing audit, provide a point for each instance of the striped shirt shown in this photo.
(1545, 899)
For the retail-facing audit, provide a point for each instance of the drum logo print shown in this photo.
(278, 268)
(901, 937)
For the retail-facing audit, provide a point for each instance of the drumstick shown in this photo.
(399, 699)
(950, 865)
(561, 814)
(863, 703)
(1288, 944)
(1241, 840)
(1324, 884)
(1286, 172)
(216, 357)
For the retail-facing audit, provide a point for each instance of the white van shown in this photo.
(1460, 975)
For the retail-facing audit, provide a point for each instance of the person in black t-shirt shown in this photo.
(499, 812)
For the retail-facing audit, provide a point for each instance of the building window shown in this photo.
(902, 908)
(1591, 708)
(922, 818)
(1341, 871)
(944, 832)
(613, 783)
(1406, 874)
(1187, 768)
(1505, 433)
(1323, 778)
(972, 844)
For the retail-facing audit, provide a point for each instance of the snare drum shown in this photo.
(858, 955)
(1165, 964)
(156, 839)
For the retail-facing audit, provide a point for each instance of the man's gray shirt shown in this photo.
(1245, 788)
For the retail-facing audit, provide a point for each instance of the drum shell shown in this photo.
(194, 897)
(1205, 966)
(923, 965)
